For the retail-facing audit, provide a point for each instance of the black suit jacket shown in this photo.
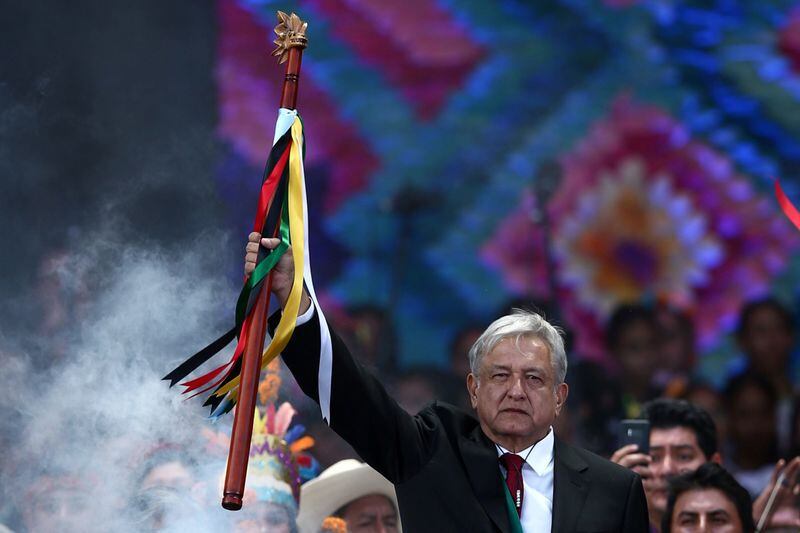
(445, 470)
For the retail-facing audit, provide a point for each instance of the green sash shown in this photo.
(513, 517)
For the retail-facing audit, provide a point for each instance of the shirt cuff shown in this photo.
(305, 317)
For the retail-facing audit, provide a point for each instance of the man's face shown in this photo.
(752, 424)
(515, 394)
(675, 343)
(705, 510)
(173, 474)
(674, 451)
(60, 509)
(373, 513)
(263, 517)
(767, 341)
(637, 351)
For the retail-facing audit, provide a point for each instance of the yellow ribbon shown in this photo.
(289, 318)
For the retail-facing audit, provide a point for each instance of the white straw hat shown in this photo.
(338, 485)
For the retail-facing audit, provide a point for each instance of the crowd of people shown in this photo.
(722, 452)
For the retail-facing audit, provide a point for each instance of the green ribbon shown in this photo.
(264, 267)
(513, 517)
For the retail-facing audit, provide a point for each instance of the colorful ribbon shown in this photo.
(282, 212)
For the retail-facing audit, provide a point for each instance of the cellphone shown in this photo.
(635, 431)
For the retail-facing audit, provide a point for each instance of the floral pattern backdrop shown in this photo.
(431, 125)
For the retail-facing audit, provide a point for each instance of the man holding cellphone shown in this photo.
(683, 437)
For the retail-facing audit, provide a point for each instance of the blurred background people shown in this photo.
(752, 446)
(59, 503)
(632, 339)
(165, 486)
(418, 386)
(329, 447)
(766, 335)
(460, 344)
(676, 350)
(595, 405)
(709, 399)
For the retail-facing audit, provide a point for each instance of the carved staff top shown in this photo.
(291, 40)
(291, 33)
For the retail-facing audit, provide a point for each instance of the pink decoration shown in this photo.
(525, 271)
(645, 212)
(416, 44)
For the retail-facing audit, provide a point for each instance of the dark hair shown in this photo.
(747, 379)
(460, 335)
(786, 316)
(666, 413)
(734, 389)
(710, 476)
(622, 317)
(161, 454)
(682, 318)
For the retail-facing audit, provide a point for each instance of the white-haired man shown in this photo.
(502, 471)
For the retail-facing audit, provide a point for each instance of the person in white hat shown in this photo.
(353, 491)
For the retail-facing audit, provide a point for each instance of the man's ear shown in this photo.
(561, 392)
(472, 389)
(716, 458)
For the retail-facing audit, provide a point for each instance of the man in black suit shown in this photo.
(502, 471)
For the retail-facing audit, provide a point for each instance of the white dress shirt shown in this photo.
(537, 480)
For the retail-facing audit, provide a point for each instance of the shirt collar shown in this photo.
(540, 457)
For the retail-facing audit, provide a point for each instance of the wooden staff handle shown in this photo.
(242, 432)
(291, 41)
(289, 91)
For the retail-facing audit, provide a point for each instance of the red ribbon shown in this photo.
(268, 189)
(786, 205)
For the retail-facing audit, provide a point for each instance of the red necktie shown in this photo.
(513, 465)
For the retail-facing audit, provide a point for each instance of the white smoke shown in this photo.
(94, 415)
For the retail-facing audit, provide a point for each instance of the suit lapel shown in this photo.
(569, 488)
(480, 462)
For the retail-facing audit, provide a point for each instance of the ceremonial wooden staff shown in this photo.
(290, 49)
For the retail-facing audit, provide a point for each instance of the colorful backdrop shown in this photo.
(465, 153)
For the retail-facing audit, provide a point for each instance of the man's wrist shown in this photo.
(305, 301)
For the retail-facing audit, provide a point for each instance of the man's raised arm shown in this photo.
(393, 442)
